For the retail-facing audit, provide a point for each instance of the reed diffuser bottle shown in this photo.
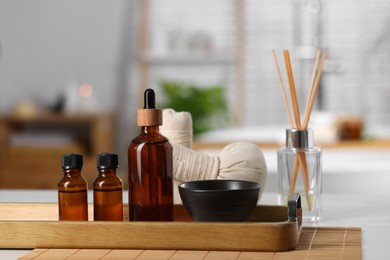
(72, 189)
(299, 163)
(107, 189)
(150, 167)
(299, 170)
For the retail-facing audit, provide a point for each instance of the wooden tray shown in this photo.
(270, 228)
(315, 243)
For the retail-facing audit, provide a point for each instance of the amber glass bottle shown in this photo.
(150, 167)
(72, 189)
(107, 189)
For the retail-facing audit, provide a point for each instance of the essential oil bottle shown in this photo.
(107, 189)
(150, 167)
(72, 189)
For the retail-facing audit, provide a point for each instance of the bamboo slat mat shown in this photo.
(315, 243)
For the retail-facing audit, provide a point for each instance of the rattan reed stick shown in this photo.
(311, 87)
(286, 104)
(300, 156)
(293, 92)
(315, 89)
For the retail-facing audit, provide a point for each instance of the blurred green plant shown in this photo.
(207, 104)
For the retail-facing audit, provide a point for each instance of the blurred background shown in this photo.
(72, 74)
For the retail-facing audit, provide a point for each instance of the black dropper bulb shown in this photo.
(149, 99)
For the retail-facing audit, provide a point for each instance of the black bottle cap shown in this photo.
(107, 161)
(72, 161)
(149, 99)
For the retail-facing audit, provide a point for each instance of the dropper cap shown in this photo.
(150, 115)
(72, 161)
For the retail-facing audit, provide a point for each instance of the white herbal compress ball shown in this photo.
(177, 127)
(236, 161)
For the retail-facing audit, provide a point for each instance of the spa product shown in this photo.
(72, 189)
(236, 161)
(150, 167)
(308, 180)
(107, 189)
(219, 200)
(299, 152)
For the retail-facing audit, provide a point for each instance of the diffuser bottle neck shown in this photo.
(299, 139)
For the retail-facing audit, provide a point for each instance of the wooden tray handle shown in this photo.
(294, 205)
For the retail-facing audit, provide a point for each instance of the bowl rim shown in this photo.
(256, 185)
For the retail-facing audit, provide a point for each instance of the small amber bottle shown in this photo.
(107, 189)
(150, 167)
(72, 189)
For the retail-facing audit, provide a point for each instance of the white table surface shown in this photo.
(371, 212)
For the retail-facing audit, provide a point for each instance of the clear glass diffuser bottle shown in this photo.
(299, 170)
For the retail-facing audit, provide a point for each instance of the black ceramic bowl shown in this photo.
(219, 200)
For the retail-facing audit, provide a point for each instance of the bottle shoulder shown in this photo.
(109, 183)
(68, 183)
(73, 179)
(152, 138)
